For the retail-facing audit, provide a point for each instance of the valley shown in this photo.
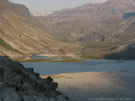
(84, 53)
(95, 31)
(101, 29)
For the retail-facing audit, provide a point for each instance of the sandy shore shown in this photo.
(97, 86)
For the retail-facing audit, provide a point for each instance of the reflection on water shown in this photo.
(34, 56)
(46, 68)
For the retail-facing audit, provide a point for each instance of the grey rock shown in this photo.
(9, 94)
(51, 99)
(28, 98)
(12, 97)
(2, 71)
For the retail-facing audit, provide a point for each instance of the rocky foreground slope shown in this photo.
(20, 84)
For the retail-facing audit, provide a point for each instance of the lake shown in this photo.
(98, 78)
(48, 68)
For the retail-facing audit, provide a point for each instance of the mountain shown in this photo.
(89, 19)
(92, 30)
(101, 28)
(21, 34)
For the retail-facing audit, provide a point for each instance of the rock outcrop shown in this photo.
(18, 83)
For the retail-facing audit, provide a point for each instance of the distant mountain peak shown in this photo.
(116, 7)
(43, 13)
(121, 2)
(97, 1)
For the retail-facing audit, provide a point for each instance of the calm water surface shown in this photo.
(47, 68)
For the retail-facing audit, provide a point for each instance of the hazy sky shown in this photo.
(37, 6)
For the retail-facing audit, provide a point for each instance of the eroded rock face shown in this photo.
(20, 84)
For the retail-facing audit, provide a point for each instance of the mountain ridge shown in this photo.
(100, 27)
(21, 34)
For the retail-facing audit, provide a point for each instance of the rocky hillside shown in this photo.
(21, 34)
(20, 84)
(100, 28)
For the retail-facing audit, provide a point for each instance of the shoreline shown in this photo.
(54, 60)
(64, 59)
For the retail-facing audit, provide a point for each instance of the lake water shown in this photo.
(48, 68)
(112, 85)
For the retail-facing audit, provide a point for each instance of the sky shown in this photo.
(40, 6)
